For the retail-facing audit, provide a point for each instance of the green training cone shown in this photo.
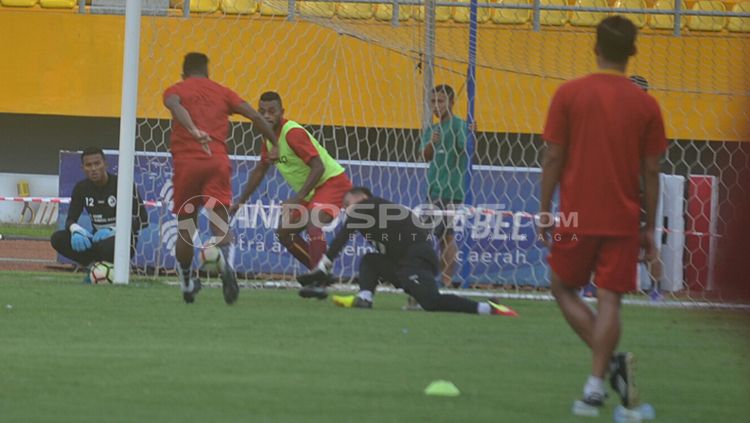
(442, 388)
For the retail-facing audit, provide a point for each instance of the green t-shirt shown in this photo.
(449, 164)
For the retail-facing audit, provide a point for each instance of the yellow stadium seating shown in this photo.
(554, 17)
(384, 12)
(355, 11)
(239, 7)
(274, 8)
(588, 18)
(204, 6)
(740, 24)
(664, 21)
(708, 23)
(19, 3)
(316, 9)
(462, 14)
(442, 13)
(511, 16)
(638, 19)
(58, 4)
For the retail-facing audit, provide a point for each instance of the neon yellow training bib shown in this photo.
(294, 170)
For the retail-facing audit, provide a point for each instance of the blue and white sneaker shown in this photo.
(589, 405)
(655, 295)
(87, 275)
(589, 291)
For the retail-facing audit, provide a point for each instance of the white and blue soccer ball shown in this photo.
(101, 272)
(211, 259)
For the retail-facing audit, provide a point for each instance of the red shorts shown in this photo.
(612, 259)
(201, 182)
(328, 198)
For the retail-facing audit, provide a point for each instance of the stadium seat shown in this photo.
(19, 3)
(274, 8)
(384, 12)
(462, 14)
(204, 6)
(588, 18)
(663, 21)
(355, 11)
(442, 13)
(638, 19)
(740, 24)
(708, 23)
(58, 4)
(554, 17)
(316, 9)
(239, 7)
(511, 16)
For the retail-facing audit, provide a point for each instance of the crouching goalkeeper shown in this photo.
(97, 194)
(406, 257)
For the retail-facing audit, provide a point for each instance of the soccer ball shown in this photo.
(101, 273)
(211, 259)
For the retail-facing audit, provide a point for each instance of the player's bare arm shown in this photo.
(650, 174)
(249, 112)
(552, 165)
(181, 115)
(256, 177)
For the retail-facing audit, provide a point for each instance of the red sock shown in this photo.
(318, 245)
(298, 247)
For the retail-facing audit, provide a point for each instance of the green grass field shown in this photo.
(28, 231)
(78, 353)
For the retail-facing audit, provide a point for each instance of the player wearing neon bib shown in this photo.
(294, 168)
(318, 181)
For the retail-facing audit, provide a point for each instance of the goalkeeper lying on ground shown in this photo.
(406, 257)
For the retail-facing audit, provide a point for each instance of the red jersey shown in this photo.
(298, 141)
(607, 125)
(210, 104)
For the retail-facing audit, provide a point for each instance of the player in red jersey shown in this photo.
(200, 110)
(602, 134)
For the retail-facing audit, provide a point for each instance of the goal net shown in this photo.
(354, 73)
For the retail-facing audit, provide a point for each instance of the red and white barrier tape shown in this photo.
(60, 200)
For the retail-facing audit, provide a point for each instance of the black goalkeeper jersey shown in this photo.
(390, 227)
(101, 204)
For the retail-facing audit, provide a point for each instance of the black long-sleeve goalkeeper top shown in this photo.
(390, 227)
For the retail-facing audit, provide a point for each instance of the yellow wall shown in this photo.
(70, 64)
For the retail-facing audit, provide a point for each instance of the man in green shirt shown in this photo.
(444, 147)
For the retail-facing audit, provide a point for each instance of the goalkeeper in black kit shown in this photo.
(405, 257)
(97, 194)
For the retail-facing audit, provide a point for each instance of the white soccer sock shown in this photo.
(184, 275)
(594, 385)
(484, 308)
(365, 295)
(227, 250)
